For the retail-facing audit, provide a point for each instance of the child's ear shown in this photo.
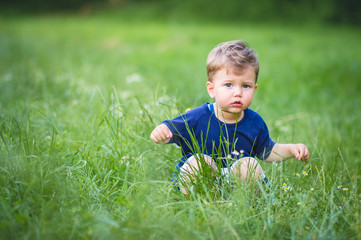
(210, 89)
(255, 87)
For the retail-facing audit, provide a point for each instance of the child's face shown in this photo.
(233, 91)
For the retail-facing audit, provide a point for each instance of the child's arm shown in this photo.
(161, 134)
(282, 152)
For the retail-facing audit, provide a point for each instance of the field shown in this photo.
(80, 94)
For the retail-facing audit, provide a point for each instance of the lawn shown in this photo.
(80, 95)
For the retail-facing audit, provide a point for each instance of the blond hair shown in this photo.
(236, 54)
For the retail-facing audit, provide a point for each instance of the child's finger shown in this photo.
(304, 153)
(157, 135)
(307, 155)
(167, 133)
(300, 153)
(296, 152)
(162, 135)
(153, 136)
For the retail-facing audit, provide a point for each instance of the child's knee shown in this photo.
(248, 167)
(197, 161)
(190, 169)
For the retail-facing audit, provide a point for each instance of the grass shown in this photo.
(80, 95)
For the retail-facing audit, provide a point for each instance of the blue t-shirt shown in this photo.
(200, 131)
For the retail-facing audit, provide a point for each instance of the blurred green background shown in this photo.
(82, 85)
(326, 11)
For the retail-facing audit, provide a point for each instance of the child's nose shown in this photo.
(238, 91)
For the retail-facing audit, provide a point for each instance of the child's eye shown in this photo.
(228, 85)
(246, 86)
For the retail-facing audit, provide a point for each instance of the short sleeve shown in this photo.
(264, 143)
(177, 127)
(180, 128)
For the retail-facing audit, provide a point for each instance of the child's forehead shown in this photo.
(229, 74)
(237, 70)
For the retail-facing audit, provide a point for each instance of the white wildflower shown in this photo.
(134, 78)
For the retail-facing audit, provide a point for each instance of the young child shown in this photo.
(226, 129)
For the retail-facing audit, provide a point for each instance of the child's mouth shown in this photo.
(237, 104)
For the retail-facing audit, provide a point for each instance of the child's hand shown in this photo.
(300, 151)
(161, 134)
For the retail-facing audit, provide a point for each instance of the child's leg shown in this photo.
(247, 168)
(191, 167)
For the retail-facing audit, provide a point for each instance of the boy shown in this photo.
(226, 128)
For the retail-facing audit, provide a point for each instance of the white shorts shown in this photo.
(224, 171)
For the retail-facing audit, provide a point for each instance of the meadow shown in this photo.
(80, 95)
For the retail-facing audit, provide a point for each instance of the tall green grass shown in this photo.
(80, 95)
